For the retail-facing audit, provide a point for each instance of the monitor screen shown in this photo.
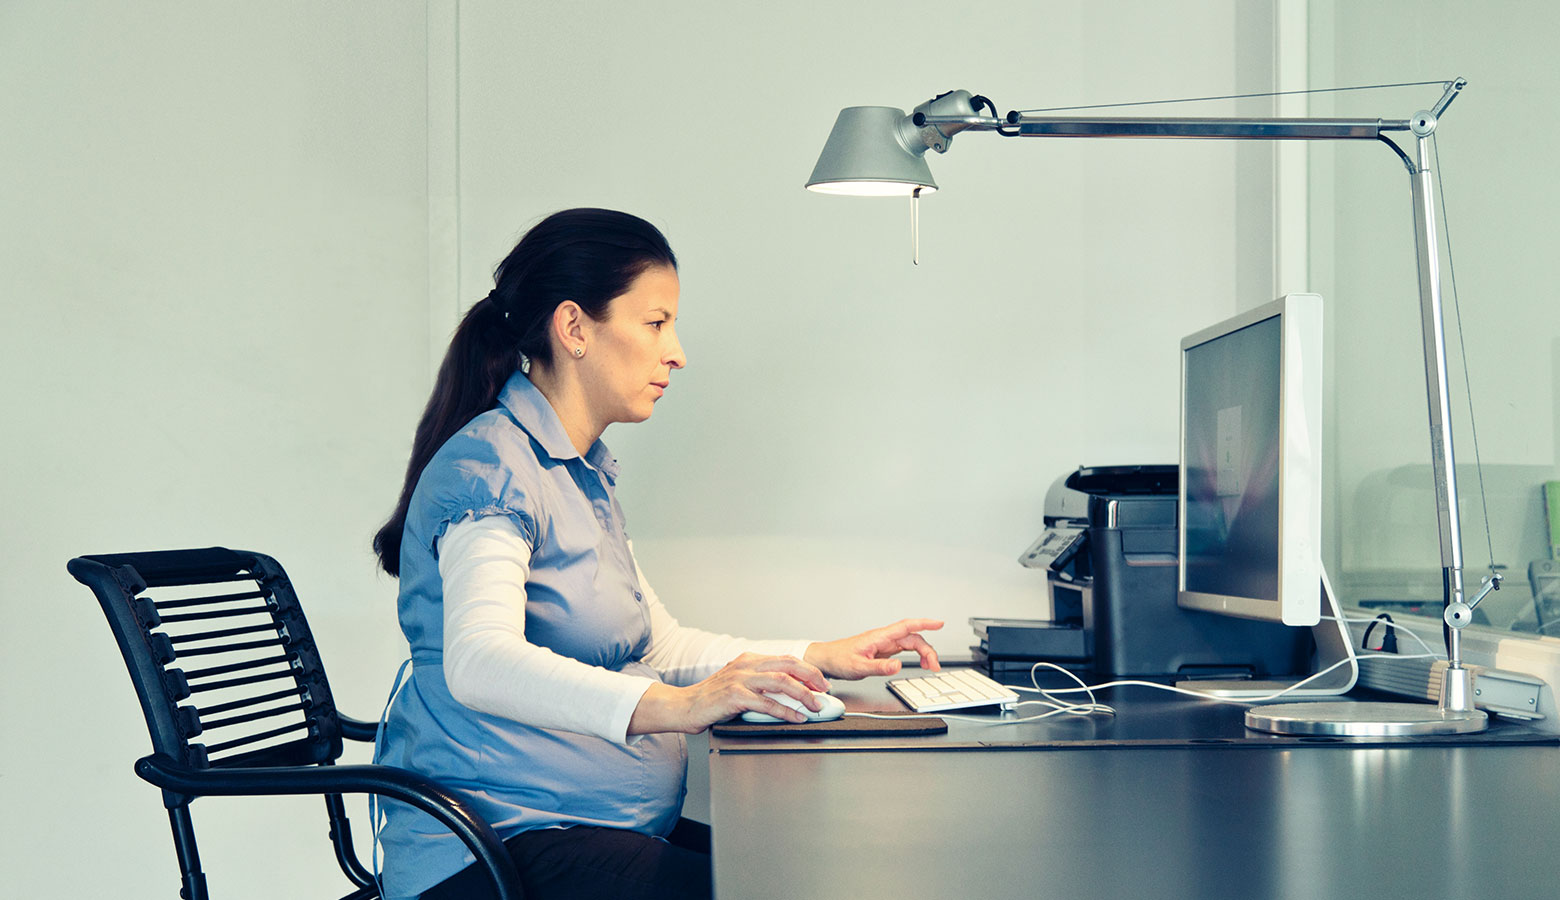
(1250, 486)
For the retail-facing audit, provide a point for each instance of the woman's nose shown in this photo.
(676, 358)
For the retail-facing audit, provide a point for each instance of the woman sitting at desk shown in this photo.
(548, 683)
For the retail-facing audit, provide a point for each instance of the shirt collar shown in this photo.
(531, 410)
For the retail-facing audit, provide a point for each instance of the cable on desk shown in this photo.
(1244, 701)
(1059, 707)
(1093, 706)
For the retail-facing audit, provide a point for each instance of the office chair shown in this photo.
(236, 700)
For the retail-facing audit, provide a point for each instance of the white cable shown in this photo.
(1245, 701)
(375, 812)
(1073, 709)
(1095, 707)
(1058, 707)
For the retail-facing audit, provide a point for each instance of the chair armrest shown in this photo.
(357, 729)
(388, 781)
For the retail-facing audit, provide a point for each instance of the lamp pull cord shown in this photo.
(915, 227)
(1462, 348)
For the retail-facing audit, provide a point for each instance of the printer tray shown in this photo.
(1030, 639)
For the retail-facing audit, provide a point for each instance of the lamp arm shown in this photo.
(1259, 129)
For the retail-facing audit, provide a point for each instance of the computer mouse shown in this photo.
(830, 708)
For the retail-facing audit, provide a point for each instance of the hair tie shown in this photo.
(492, 300)
(511, 323)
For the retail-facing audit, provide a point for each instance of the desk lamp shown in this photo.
(880, 151)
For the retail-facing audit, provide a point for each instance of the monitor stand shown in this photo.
(1333, 646)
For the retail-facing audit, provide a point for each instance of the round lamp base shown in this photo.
(1344, 719)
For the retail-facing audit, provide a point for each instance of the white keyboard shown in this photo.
(952, 689)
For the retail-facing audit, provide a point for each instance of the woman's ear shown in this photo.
(569, 326)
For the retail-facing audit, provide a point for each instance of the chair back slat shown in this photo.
(188, 652)
(242, 666)
(216, 614)
(258, 695)
(214, 749)
(228, 683)
(212, 724)
(213, 709)
(221, 633)
(204, 601)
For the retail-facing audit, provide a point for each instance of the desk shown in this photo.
(1201, 823)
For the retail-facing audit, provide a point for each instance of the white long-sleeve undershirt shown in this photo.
(491, 667)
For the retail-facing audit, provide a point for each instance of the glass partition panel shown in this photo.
(1500, 190)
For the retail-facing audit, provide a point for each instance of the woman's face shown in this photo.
(630, 355)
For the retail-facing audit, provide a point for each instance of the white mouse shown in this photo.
(830, 708)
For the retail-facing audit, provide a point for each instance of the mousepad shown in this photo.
(899, 726)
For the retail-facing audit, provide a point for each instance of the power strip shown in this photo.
(1509, 694)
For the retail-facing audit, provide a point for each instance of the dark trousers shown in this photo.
(586, 862)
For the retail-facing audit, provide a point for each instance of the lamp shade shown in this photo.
(865, 156)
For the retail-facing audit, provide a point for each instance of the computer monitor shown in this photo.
(1250, 492)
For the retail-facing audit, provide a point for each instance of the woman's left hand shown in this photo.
(872, 652)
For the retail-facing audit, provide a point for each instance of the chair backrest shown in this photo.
(222, 658)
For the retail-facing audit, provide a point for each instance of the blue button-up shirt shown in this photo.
(582, 601)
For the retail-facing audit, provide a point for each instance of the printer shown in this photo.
(1109, 553)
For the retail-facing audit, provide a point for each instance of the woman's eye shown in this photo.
(657, 325)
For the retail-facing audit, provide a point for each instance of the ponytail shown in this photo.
(480, 359)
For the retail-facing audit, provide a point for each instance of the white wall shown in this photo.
(856, 438)
(232, 234)
(1500, 194)
(213, 267)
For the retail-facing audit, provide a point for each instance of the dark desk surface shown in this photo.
(1148, 718)
(1141, 815)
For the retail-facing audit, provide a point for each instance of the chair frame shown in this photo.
(185, 769)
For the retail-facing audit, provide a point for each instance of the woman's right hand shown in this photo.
(738, 687)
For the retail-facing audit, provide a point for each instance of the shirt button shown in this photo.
(639, 597)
